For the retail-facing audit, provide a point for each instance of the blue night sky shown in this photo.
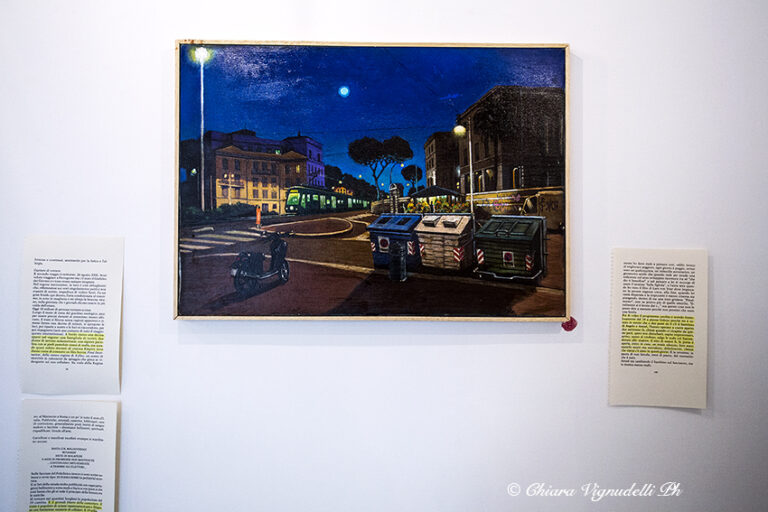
(410, 92)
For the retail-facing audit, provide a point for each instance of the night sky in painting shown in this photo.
(278, 91)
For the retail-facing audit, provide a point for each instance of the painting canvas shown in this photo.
(362, 181)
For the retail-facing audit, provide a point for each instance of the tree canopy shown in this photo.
(332, 175)
(396, 151)
(378, 155)
(189, 155)
(413, 174)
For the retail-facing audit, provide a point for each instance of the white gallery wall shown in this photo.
(669, 102)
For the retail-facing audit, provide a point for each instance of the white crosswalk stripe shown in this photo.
(234, 232)
(229, 237)
(201, 239)
(192, 247)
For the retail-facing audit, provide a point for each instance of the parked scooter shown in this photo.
(248, 272)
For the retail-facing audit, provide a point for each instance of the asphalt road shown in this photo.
(332, 274)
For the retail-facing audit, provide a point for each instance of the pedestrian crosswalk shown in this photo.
(205, 238)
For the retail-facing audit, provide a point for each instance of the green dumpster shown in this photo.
(512, 247)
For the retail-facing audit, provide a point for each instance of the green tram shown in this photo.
(303, 200)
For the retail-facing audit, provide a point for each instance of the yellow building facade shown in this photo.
(258, 179)
(343, 190)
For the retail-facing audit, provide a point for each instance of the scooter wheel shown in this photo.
(245, 286)
(285, 272)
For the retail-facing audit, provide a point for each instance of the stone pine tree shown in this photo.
(378, 155)
(370, 153)
(413, 174)
(396, 151)
(189, 183)
(332, 176)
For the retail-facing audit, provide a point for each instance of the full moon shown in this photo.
(343, 91)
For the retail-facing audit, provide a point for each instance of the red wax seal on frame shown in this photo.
(569, 324)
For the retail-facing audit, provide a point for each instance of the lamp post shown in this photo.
(460, 131)
(202, 55)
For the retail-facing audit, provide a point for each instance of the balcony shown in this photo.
(232, 183)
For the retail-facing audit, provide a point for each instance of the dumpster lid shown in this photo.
(511, 227)
(444, 223)
(430, 220)
(395, 222)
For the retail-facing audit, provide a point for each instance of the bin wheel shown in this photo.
(245, 286)
(285, 272)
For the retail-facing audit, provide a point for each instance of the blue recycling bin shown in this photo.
(395, 228)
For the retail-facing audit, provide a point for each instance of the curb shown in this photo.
(330, 233)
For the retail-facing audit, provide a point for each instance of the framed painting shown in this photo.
(361, 181)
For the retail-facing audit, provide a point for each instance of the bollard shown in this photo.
(397, 262)
(258, 216)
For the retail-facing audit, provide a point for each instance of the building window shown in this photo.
(255, 194)
(264, 207)
(255, 182)
(225, 191)
(224, 163)
(236, 192)
(264, 166)
(264, 181)
(274, 194)
(274, 181)
(274, 168)
(237, 165)
(265, 193)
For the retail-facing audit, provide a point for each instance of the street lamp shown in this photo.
(201, 55)
(460, 131)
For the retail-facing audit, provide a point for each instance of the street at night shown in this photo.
(332, 273)
(455, 157)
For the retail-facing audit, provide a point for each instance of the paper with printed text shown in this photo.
(658, 337)
(71, 301)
